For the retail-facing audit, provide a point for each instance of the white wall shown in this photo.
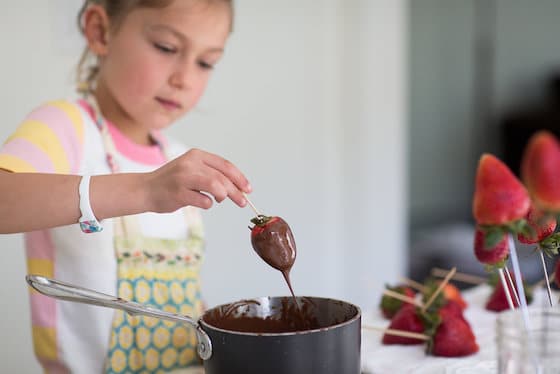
(309, 101)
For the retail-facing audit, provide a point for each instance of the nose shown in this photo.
(183, 75)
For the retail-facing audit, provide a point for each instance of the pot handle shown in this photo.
(69, 292)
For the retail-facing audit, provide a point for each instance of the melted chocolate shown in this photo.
(275, 244)
(289, 317)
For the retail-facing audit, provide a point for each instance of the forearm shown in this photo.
(32, 201)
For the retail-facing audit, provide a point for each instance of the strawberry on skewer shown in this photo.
(497, 301)
(542, 226)
(406, 319)
(390, 305)
(500, 205)
(453, 338)
(540, 172)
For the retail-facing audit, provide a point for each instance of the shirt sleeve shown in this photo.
(50, 140)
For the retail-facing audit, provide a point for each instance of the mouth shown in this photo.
(169, 104)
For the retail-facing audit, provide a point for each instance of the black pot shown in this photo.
(268, 335)
(331, 347)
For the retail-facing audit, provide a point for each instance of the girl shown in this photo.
(152, 60)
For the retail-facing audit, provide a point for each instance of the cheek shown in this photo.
(134, 75)
(197, 90)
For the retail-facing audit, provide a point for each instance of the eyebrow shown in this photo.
(178, 34)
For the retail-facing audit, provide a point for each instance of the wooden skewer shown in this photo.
(542, 282)
(405, 334)
(512, 285)
(417, 286)
(462, 277)
(404, 298)
(439, 289)
(251, 205)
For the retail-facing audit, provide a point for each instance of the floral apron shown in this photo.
(163, 273)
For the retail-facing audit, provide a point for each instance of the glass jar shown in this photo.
(534, 351)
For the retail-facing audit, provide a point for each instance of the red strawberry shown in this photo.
(451, 309)
(451, 292)
(454, 338)
(389, 305)
(540, 170)
(274, 242)
(497, 301)
(557, 273)
(406, 319)
(499, 196)
(542, 225)
(490, 256)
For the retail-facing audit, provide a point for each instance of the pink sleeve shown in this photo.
(50, 140)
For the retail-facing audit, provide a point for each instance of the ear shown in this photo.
(96, 29)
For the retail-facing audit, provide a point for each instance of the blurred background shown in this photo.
(359, 121)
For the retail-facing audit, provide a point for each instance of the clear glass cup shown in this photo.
(534, 351)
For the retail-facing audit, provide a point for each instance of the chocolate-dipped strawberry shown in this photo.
(273, 241)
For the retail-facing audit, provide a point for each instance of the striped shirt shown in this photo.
(61, 137)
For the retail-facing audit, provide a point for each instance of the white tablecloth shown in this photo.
(380, 359)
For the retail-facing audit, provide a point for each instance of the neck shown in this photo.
(114, 113)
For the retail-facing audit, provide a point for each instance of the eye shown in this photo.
(165, 48)
(205, 65)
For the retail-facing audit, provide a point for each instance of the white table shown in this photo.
(380, 359)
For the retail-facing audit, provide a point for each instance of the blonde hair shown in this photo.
(116, 10)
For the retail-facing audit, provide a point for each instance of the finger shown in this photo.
(198, 199)
(230, 189)
(229, 170)
(213, 183)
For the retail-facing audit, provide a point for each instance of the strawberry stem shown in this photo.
(260, 220)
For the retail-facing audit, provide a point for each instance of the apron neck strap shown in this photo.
(127, 225)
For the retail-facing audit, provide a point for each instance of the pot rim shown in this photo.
(305, 332)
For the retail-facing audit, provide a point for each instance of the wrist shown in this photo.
(144, 195)
(88, 221)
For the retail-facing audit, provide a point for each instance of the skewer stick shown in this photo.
(251, 205)
(547, 281)
(541, 283)
(439, 289)
(417, 286)
(405, 334)
(506, 289)
(523, 305)
(462, 277)
(404, 298)
(512, 285)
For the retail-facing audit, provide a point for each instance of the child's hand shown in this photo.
(191, 178)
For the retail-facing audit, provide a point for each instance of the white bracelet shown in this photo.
(88, 222)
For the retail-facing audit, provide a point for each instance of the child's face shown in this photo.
(159, 61)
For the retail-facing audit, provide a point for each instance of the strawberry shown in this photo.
(389, 305)
(557, 273)
(452, 293)
(449, 293)
(452, 309)
(406, 319)
(542, 226)
(499, 197)
(274, 242)
(540, 170)
(497, 301)
(495, 255)
(453, 338)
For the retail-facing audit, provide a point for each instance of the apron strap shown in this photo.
(127, 226)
